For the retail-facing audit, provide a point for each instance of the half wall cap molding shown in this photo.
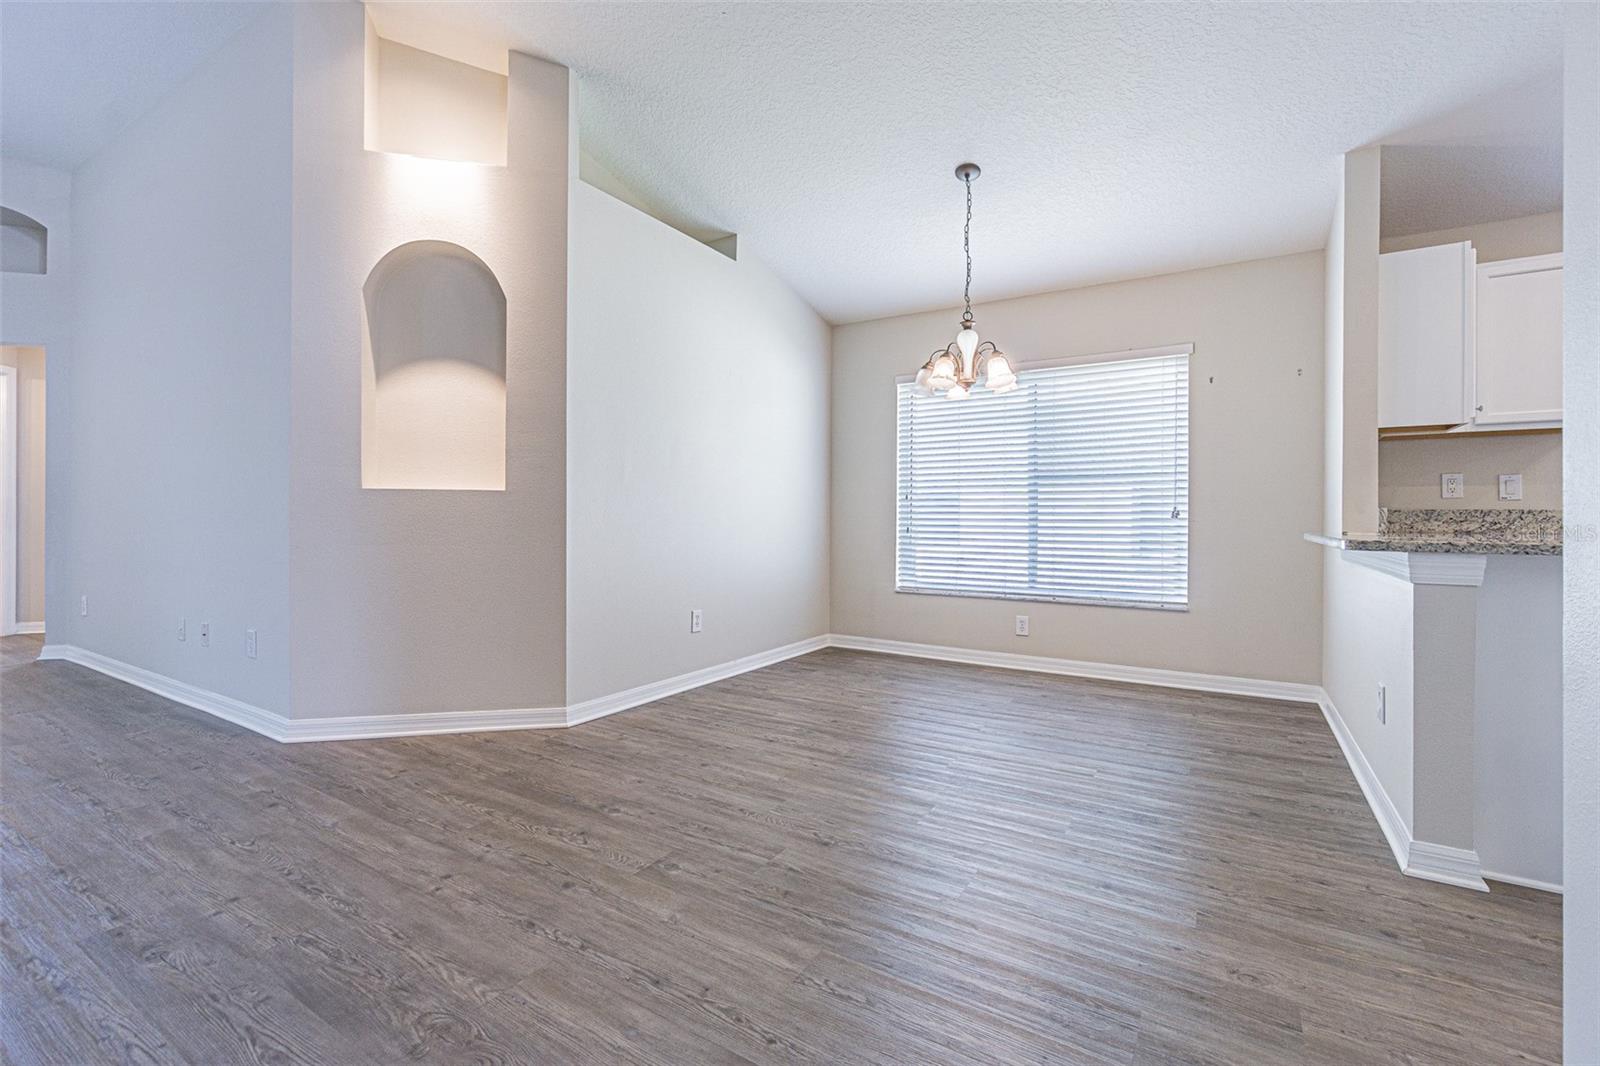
(1424, 568)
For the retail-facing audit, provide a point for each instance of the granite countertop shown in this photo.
(1461, 531)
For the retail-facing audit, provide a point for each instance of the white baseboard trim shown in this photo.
(1450, 866)
(1415, 858)
(27, 628)
(589, 710)
(1042, 664)
(1525, 882)
(259, 719)
(1395, 830)
(425, 724)
(376, 726)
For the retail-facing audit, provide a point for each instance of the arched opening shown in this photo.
(433, 383)
(24, 243)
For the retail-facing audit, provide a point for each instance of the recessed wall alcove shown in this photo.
(422, 104)
(433, 381)
(24, 243)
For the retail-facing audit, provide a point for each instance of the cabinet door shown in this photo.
(1425, 335)
(1518, 375)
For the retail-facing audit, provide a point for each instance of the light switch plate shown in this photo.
(1452, 486)
(1511, 486)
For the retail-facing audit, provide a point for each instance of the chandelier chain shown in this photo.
(966, 246)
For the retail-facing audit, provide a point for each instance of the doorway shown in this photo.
(22, 440)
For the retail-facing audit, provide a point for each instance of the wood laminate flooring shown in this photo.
(843, 858)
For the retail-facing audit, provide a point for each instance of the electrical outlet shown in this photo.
(205, 634)
(83, 606)
(1511, 486)
(1022, 625)
(250, 643)
(696, 622)
(1452, 486)
(1383, 704)
(183, 629)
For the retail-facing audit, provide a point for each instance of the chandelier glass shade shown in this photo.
(968, 362)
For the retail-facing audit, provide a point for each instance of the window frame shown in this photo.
(1094, 358)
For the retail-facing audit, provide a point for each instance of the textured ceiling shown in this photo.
(1117, 140)
(73, 74)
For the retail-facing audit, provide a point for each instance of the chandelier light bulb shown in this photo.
(998, 375)
(967, 342)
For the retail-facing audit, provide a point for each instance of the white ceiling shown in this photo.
(1490, 160)
(1116, 140)
(74, 74)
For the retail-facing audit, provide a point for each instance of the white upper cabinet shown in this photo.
(1425, 336)
(1518, 379)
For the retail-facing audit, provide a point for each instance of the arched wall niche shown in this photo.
(24, 243)
(433, 382)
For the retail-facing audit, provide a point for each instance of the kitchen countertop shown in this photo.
(1459, 531)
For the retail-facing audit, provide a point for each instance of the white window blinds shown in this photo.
(1073, 487)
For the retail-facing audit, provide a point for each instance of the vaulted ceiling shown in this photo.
(1116, 141)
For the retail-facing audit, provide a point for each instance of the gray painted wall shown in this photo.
(697, 413)
(174, 433)
(1256, 376)
(1581, 429)
(424, 600)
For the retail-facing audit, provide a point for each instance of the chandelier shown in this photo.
(965, 363)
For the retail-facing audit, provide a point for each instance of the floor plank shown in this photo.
(841, 858)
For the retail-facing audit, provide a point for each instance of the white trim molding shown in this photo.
(1136, 675)
(259, 719)
(426, 724)
(1394, 827)
(1524, 882)
(367, 727)
(1423, 568)
(589, 710)
(376, 726)
(1450, 866)
(1415, 858)
(28, 628)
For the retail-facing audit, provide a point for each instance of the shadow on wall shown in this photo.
(433, 381)
(23, 243)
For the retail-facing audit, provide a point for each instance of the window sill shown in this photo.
(1081, 601)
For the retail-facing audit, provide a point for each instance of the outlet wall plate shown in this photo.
(1452, 486)
(1022, 625)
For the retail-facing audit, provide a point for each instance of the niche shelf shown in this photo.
(433, 376)
(24, 243)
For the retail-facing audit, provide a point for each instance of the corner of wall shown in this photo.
(1581, 498)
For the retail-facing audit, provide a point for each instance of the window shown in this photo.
(1072, 487)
